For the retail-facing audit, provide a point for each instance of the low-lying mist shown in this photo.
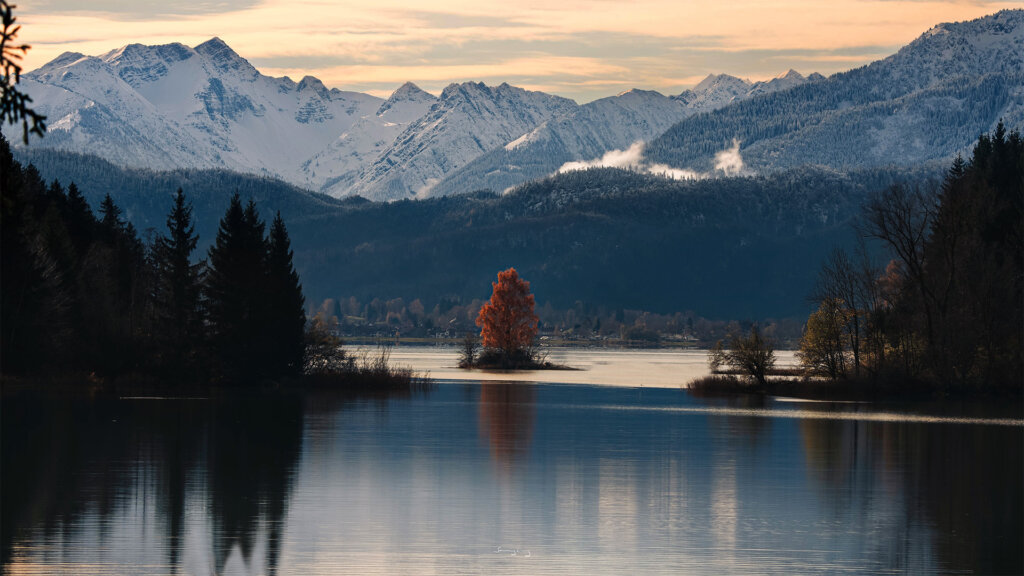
(729, 162)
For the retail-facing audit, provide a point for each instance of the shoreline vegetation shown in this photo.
(497, 361)
(944, 316)
(822, 389)
(86, 300)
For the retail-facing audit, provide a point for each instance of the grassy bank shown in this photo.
(812, 388)
(363, 373)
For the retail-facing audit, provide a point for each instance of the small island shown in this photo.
(508, 328)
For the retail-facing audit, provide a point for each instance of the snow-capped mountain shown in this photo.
(790, 79)
(718, 90)
(715, 91)
(925, 103)
(612, 123)
(335, 168)
(174, 106)
(468, 120)
(587, 132)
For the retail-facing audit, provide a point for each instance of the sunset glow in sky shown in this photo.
(583, 49)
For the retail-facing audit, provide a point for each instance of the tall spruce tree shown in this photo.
(240, 302)
(31, 282)
(285, 305)
(176, 314)
(80, 219)
(235, 270)
(116, 277)
(975, 264)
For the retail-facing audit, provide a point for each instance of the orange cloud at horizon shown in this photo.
(580, 47)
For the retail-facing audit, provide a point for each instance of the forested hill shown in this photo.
(145, 195)
(728, 248)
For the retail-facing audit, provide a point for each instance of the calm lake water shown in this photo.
(511, 477)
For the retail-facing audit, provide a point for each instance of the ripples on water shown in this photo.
(508, 478)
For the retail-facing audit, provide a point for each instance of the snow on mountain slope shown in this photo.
(89, 107)
(715, 91)
(926, 102)
(782, 82)
(173, 106)
(334, 169)
(588, 132)
(613, 123)
(468, 120)
(190, 107)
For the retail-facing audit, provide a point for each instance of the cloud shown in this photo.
(631, 157)
(729, 160)
(141, 9)
(582, 49)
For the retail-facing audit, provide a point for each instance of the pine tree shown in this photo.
(115, 279)
(110, 215)
(80, 219)
(177, 322)
(285, 305)
(234, 292)
(30, 280)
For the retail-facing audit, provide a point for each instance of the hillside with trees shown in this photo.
(83, 295)
(580, 236)
(925, 103)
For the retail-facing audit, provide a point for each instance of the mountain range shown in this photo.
(173, 106)
(929, 101)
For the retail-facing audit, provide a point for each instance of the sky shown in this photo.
(581, 49)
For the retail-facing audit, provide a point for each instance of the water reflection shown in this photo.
(596, 480)
(252, 450)
(745, 430)
(109, 474)
(506, 416)
(965, 483)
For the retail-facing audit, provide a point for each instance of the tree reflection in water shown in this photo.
(935, 469)
(507, 411)
(618, 479)
(86, 462)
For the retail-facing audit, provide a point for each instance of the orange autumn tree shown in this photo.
(507, 321)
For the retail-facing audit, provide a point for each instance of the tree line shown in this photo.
(705, 239)
(83, 294)
(948, 307)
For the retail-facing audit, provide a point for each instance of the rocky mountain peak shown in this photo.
(315, 85)
(407, 93)
(224, 58)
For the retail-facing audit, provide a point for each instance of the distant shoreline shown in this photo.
(560, 343)
(806, 388)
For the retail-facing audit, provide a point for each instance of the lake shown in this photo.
(554, 473)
